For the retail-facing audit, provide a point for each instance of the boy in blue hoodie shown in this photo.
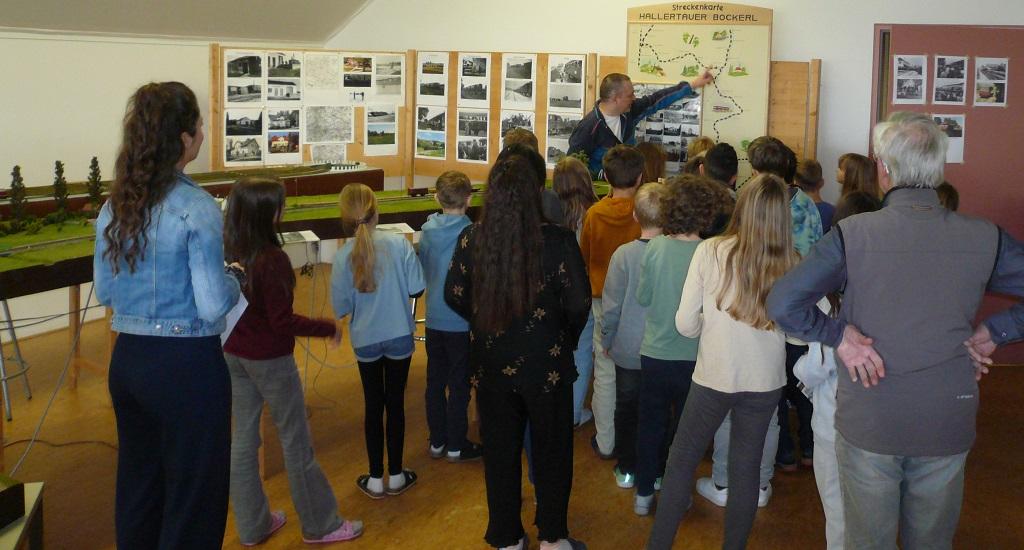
(447, 332)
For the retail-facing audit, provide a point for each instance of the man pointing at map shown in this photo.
(617, 112)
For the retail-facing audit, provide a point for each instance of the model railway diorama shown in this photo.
(50, 246)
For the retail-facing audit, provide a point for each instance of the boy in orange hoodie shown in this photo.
(608, 225)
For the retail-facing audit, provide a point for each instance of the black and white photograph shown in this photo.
(357, 80)
(431, 118)
(566, 69)
(283, 119)
(243, 122)
(432, 87)
(328, 123)
(474, 64)
(321, 71)
(282, 142)
(671, 129)
(242, 150)
(380, 113)
(689, 131)
(518, 93)
(243, 64)
(990, 68)
(287, 64)
(908, 91)
(389, 65)
(357, 64)
(473, 92)
(430, 145)
(950, 66)
(516, 119)
(328, 153)
(388, 85)
(949, 91)
(244, 90)
(654, 128)
(284, 89)
(910, 66)
(556, 150)
(565, 97)
(473, 123)
(519, 66)
(953, 127)
(561, 125)
(431, 78)
(472, 149)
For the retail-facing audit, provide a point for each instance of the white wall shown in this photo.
(839, 32)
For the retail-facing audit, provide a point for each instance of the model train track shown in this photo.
(45, 244)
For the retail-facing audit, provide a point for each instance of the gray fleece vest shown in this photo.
(916, 274)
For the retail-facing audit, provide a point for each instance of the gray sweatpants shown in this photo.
(275, 381)
(703, 413)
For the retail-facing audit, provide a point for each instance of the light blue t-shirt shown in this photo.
(384, 314)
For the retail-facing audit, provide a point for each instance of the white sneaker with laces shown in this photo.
(707, 489)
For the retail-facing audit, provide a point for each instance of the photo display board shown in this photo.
(668, 43)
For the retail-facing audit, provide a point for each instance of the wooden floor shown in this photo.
(447, 509)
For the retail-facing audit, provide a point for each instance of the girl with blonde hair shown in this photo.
(741, 357)
(375, 274)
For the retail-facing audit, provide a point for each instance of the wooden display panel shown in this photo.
(393, 165)
(792, 101)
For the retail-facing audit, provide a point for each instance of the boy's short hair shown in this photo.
(948, 196)
(689, 204)
(522, 136)
(721, 163)
(647, 205)
(452, 189)
(623, 165)
(768, 155)
(808, 175)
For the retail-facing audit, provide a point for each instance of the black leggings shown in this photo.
(384, 390)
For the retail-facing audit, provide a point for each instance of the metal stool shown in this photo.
(17, 359)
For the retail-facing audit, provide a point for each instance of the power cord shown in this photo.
(60, 382)
(64, 444)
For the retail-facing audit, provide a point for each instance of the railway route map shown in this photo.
(672, 42)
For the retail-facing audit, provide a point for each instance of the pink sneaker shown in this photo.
(277, 521)
(349, 530)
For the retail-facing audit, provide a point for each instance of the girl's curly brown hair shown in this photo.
(157, 115)
(690, 203)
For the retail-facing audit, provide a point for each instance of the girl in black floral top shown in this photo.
(523, 286)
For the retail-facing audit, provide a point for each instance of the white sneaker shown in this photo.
(642, 505)
(707, 489)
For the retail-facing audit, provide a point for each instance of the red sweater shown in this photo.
(268, 326)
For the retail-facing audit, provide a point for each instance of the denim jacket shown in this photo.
(179, 287)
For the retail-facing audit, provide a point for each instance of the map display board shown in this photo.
(667, 43)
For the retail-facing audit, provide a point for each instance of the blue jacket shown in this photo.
(179, 287)
(440, 233)
(593, 136)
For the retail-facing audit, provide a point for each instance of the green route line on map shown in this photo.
(725, 64)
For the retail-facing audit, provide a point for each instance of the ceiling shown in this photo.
(307, 21)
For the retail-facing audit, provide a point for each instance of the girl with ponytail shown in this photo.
(159, 265)
(374, 275)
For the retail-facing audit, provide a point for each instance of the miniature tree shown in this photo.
(60, 189)
(95, 188)
(17, 198)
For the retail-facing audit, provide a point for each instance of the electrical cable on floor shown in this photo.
(65, 443)
(56, 389)
(42, 318)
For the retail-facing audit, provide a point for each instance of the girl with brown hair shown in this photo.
(740, 359)
(260, 358)
(526, 304)
(858, 173)
(654, 161)
(159, 265)
(375, 274)
(572, 183)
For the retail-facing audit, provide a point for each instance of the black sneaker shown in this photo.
(470, 451)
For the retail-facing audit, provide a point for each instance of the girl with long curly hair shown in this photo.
(741, 356)
(526, 303)
(159, 264)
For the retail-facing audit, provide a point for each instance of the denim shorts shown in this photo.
(396, 348)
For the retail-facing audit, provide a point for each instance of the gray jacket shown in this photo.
(914, 275)
(622, 328)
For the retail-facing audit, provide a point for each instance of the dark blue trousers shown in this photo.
(172, 400)
(447, 368)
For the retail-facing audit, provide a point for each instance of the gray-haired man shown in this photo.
(912, 276)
